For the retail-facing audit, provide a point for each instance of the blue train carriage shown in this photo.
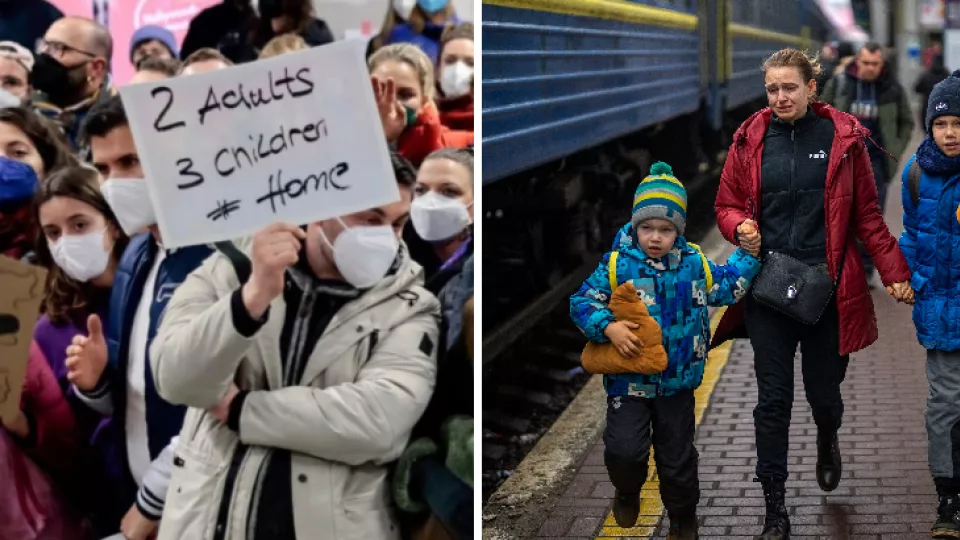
(562, 76)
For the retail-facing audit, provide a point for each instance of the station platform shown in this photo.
(886, 491)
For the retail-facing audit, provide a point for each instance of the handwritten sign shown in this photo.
(295, 138)
(21, 291)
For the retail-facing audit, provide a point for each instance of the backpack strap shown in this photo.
(612, 271)
(913, 181)
(241, 263)
(706, 265)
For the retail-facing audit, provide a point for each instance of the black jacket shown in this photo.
(793, 178)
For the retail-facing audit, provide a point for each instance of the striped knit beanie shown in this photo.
(661, 196)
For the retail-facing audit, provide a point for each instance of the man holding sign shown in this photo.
(306, 355)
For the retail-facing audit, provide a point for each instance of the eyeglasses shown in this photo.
(58, 49)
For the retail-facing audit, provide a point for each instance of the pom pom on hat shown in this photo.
(660, 168)
(661, 196)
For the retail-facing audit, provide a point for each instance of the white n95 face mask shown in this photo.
(437, 218)
(455, 79)
(404, 7)
(363, 255)
(129, 199)
(81, 256)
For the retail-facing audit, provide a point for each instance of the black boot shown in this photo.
(626, 508)
(684, 527)
(776, 526)
(948, 517)
(829, 464)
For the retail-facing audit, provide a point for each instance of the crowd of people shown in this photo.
(802, 197)
(312, 377)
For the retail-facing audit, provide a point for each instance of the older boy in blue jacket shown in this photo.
(931, 245)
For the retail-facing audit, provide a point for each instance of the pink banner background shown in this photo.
(124, 17)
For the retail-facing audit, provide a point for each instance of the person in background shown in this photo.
(25, 21)
(829, 59)
(152, 40)
(436, 469)
(110, 366)
(868, 90)
(279, 17)
(405, 91)
(927, 81)
(397, 14)
(423, 28)
(219, 26)
(935, 48)
(71, 74)
(204, 60)
(929, 245)
(81, 243)
(30, 148)
(16, 63)
(283, 44)
(153, 68)
(455, 79)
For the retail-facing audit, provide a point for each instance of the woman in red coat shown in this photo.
(799, 171)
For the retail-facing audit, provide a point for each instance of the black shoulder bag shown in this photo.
(794, 288)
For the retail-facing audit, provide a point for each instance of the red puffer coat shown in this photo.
(852, 212)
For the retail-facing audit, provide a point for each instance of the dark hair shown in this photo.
(405, 172)
(66, 299)
(205, 54)
(167, 66)
(103, 118)
(809, 66)
(300, 11)
(45, 135)
(871, 47)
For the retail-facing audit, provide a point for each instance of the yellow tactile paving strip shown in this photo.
(651, 508)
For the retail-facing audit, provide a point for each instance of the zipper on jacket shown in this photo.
(793, 190)
(239, 456)
(300, 333)
(374, 337)
(253, 509)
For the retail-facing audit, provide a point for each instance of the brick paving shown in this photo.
(886, 491)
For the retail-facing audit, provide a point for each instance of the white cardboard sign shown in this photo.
(295, 138)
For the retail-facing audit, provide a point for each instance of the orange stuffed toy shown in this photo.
(604, 358)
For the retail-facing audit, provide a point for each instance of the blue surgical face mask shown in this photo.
(433, 6)
(18, 181)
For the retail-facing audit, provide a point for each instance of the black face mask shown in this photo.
(270, 9)
(64, 86)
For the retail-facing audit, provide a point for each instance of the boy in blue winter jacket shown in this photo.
(931, 245)
(676, 282)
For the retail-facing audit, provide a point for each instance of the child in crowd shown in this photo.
(931, 195)
(676, 282)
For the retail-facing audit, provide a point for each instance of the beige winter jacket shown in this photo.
(365, 385)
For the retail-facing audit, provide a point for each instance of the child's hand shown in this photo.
(621, 335)
(749, 237)
(903, 292)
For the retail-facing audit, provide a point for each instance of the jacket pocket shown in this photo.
(366, 518)
(192, 496)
